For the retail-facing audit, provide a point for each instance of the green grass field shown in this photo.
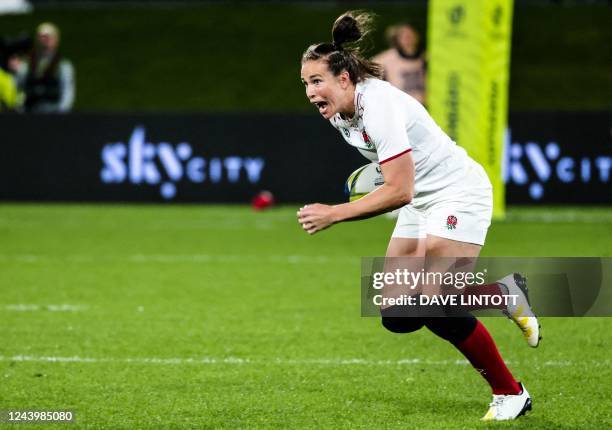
(220, 317)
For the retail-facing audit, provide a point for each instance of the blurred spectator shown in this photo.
(13, 46)
(404, 62)
(8, 92)
(47, 78)
(10, 50)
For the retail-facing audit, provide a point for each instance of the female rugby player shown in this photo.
(434, 182)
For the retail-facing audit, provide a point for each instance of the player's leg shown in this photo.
(406, 247)
(518, 310)
(408, 240)
(466, 224)
(465, 216)
(470, 336)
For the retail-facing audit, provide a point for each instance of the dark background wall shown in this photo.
(551, 158)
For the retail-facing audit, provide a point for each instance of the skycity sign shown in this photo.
(559, 158)
(163, 164)
(195, 158)
(533, 165)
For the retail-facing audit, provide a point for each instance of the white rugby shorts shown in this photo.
(462, 213)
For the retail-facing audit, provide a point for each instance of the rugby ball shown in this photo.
(363, 181)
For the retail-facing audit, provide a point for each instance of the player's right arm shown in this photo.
(397, 191)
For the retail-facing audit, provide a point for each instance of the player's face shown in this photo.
(329, 93)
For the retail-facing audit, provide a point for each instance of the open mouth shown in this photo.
(322, 106)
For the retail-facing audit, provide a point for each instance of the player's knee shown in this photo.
(453, 329)
(402, 319)
(402, 325)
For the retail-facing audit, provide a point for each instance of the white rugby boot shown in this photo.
(508, 407)
(521, 312)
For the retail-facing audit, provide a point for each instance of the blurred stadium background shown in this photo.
(210, 314)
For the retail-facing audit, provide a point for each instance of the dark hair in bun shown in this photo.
(344, 53)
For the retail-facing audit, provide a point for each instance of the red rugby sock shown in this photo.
(479, 348)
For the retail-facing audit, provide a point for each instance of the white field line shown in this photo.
(277, 361)
(211, 258)
(180, 258)
(25, 307)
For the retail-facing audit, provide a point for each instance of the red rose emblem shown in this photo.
(451, 222)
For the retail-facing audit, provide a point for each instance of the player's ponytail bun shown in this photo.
(344, 53)
(346, 29)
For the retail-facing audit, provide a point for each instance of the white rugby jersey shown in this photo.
(388, 123)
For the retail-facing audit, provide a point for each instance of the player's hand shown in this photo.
(315, 217)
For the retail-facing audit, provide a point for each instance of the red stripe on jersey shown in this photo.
(395, 156)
